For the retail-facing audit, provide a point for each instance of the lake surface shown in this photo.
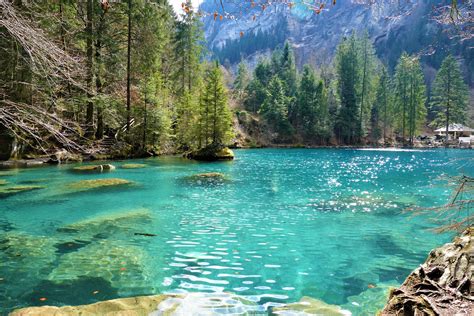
(279, 225)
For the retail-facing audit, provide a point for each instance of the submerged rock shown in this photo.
(94, 168)
(7, 173)
(24, 258)
(124, 266)
(440, 286)
(86, 185)
(133, 306)
(133, 166)
(8, 191)
(3, 182)
(310, 306)
(208, 175)
(211, 153)
(109, 223)
(207, 178)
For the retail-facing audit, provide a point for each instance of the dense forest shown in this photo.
(129, 75)
(353, 101)
(134, 78)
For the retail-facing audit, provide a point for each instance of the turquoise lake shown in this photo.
(281, 224)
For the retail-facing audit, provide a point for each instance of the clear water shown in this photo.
(283, 224)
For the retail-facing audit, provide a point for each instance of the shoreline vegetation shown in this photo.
(227, 154)
(440, 286)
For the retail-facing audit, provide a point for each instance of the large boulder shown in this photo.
(94, 168)
(212, 152)
(440, 286)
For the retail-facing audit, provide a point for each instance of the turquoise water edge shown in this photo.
(279, 225)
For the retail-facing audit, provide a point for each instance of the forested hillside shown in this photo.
(108, 78)
(133, 78)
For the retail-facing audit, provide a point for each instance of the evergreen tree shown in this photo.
(347, 126)
(215, 111)
(189, 47)
(450, 95)
(187, 131)
(256, 89)
(288, 75)
(275, 107)
(242, 79)
(410, 97)
(368, 81)
(312, 112)
(382, 114)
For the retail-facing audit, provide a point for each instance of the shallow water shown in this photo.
(281, 224)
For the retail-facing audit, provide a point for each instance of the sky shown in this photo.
(177, 4)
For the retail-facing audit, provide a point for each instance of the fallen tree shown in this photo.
(32, 122)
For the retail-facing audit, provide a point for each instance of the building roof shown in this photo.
(455, 128)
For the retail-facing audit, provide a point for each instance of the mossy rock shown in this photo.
(7, 173)
(33, 181)
(8, 191)
(209, 175)
(25, 257)
(212, 153)
(131, 306)
(123, 265)
(94, 168)
(310, 306)
(86, 185)
(206, 178)
(3, 182)
(133, 166)
(109, 223)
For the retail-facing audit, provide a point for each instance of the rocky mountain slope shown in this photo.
(248, 32)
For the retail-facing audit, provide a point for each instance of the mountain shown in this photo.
(247, 32)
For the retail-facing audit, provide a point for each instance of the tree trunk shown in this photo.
(447, 108)
(214, 128)
(364, 74)
(145, 123)
(90, 71)
(129, 44)
(98, 79)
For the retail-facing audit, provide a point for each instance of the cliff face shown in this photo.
(394, 27)
(443, 285)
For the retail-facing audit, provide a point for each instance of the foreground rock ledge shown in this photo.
(443, 285)
(133, 306)
(185, 305)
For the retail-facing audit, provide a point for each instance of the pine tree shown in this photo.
(410, 96)
(383, 108)
(368, 81)
(288, 75)
(256, 89)
(189, 46)
(275, 107)
(90, 68)
(347, 126)
(215, 111)
(312, 111)
(242, 79)
(450, 95)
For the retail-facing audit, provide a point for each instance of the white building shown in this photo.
(455, 131)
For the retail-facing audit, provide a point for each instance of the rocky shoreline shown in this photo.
(443, 285)
(67, 157)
